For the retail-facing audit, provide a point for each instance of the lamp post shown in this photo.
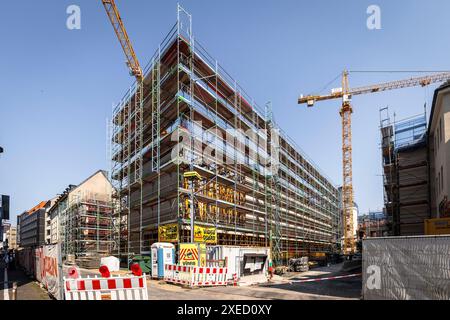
(192, 176)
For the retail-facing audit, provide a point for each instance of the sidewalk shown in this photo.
(27, 289)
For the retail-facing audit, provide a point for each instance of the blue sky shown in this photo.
(57, 86)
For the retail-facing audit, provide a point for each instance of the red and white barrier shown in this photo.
(112, 288)
(195, 276)
(326, 278)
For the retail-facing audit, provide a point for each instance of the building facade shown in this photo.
(11, 237)
(438, 140)
(255, 186)
(31, 226)
(406, 174)
(81, 218)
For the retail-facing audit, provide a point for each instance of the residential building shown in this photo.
(373, 224)
(81, 218)
(438, 139)
(11, 237)
(31, 226)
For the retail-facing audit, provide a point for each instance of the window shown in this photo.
(442, 178)
(440, 129)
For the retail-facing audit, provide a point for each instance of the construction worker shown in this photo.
(270, 270)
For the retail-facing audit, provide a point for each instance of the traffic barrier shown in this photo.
(326, 278)
(112, 288)
(195, 276)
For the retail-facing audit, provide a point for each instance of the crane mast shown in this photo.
(347, 181)
(345, 93)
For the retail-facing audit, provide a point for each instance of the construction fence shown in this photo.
(406, 268)
(43, 264)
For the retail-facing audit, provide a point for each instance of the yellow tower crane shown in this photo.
(122, 35)
(345, 93)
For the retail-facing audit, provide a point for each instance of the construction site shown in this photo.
(206, 190)
(189, 103)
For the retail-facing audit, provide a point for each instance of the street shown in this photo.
(281, 288)
(27, 289)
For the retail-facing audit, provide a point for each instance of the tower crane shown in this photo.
(345, 93)
(122, 35)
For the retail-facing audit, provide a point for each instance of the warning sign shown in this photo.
(168, 233)
(188, 255)
(205, 235)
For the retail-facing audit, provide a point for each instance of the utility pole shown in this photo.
(192, 176)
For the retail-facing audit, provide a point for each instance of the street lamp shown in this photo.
(192, 176)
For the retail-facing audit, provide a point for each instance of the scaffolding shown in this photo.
(405, 173)
(257, 188)
(86, 226)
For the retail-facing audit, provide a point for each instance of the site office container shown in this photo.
(241, 261)
(437, 226)
(406, 268)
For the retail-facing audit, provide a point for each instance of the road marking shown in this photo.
(327, 278)
(5, 285)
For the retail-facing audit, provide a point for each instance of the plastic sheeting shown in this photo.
(406, 268)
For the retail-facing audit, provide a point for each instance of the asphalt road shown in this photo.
(27, 289)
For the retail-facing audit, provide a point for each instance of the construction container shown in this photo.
(406, 268)
(242, 261)
(437, 226)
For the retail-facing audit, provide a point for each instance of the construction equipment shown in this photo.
(122, 35)
(346, 93)
(138, 109)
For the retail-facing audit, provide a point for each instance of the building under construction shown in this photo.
(256, 187)
(406, 173)
(81, 220)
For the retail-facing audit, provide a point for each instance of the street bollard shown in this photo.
(14, 291)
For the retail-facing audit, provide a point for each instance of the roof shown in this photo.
(73, 187)
(41, 205)
(444, 86)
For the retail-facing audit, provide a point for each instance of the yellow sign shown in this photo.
(202, 249)
(437, 226)
(188, 254)
(205, 235)
(168, 233)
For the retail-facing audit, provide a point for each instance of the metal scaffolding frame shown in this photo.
(189, 103)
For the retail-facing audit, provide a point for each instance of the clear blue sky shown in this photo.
(57, 86)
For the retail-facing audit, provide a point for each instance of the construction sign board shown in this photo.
(189, 254)
(168, 233)
(205, 235)
(202, 254)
